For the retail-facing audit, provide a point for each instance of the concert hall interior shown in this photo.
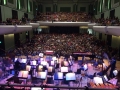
(59, 45)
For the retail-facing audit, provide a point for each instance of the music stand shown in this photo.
(54, 58)
(23, 74)
(64, 70)
(44, 63)
(70, 77)
(41, 75)
(28, 67)
(98, 80)
(50, 70)
(58, 76)
(37, 88)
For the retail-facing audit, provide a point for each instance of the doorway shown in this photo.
(14, 14)
(112, 13)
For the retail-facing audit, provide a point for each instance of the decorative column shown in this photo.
(75, 7)
(54, 7)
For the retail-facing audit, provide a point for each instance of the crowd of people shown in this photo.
(77, 17)
(108, 21)
(16, 21)
(66, 44)
(62, 45)
(64, 16)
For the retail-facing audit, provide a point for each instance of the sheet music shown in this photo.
(70, 76)
(44, 63)
(60, 75)
(42, 75)
(25, 74)
(37, 88)
(20, 74)
(64, 69)
(98, 80)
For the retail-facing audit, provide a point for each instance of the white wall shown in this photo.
(30, 34)
(97, 35)
(30, 16)
(98, 16)
(6, 12)
(23, 36)
(115, 41)
(62, 4)
(117, 12)
(83, 5)
(12, 5)
(104, 37)
(47, 5)
(20, 14)
(65, 5)
(106, 14)
(9, 41)
(25, 7)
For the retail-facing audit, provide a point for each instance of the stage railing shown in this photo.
(50, 86)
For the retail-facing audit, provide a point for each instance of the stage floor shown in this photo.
(83, 83)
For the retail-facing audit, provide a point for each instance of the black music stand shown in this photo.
(23, 75)
(59, 77)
